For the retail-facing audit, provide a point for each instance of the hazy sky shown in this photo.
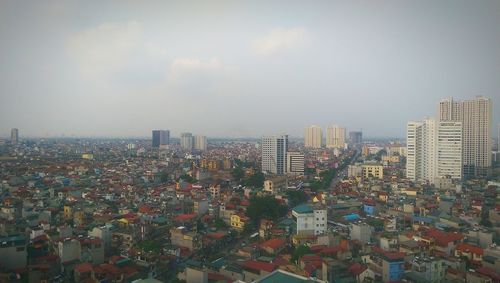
(240, 68)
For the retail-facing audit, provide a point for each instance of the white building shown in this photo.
(310, 221)
(274, 149)
(187, 141)
(434, 150)
(294, 163)
(313, 137)
(200, 143)
(449, 153)
(476, 118)
(335, 137)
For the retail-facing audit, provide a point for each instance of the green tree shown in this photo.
(256, 180)
(188, 178)
(238, 173)
(296, 197)
(299, 252)
(265, 207)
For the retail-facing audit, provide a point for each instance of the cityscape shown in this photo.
(111, 173)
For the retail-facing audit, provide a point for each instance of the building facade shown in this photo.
(186, 141)
(160, 137)
(294, 163)
(476, 118)
(313, 137)
(274, 149)
(335, 137)
(14, 136)
(200, 143)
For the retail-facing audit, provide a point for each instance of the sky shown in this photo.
(240, 68)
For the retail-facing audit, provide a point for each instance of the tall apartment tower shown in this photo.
(449, 153)
(355, 137)
(313, 137)
(274, 149)
(335, 137)
(14, 136)
(186, 141)
(476, 118)
(200, 143)
(160, 137)
(434, 149)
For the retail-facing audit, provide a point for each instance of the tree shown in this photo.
(256, 180)
(296, 197)
(238, 173)
(299, 252)
(265, 207)
(188, 178)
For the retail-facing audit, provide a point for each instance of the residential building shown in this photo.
(310, 221)
(13, 251)
(449, 150)
(476, 118)
(313, 137)
(294, 163)
(186, 141)
(372, 170)
(274, 149)
(335, 137)
(160, 137)
(200, 143)
(355, 137)
(361, 232)
(14, 136)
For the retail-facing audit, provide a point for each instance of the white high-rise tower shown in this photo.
(274, 149)
(475, 116)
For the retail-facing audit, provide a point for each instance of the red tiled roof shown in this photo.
(273, 243)
(84, 267)
(356, 269)
(184, 217)
(463, 247)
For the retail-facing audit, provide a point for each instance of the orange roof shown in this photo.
(273, 243)
(463, 247)
(84, 267)
(184, 217)
(259, 265)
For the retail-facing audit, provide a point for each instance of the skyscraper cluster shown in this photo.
(455, 145)
(197, 142)
(276, 159)
(335, 137)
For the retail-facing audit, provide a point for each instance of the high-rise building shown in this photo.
(200, 143)
(294, 163)
(335, 137)
(160, 137)
(313, 137)
(187, 141)
(434, 150)
(355, 137)
(274, 149)
(476, 118)
(14, 136)
(449, 150)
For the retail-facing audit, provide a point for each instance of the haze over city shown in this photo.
(240, 69)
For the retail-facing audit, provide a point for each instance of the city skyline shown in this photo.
(132, 67)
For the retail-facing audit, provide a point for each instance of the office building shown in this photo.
(476, 118)
(200, 143)
(295, 163)
(274, 149)
(186, 141)
(355, 137)
(313, 137)
(160, 137)
(335, 137)
(14, 136)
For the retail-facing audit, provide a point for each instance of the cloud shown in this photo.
(277, 40)
(186, 69)
(104, 49)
